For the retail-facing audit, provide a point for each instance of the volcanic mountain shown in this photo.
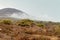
(14, 13)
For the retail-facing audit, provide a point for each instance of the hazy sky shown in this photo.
(43, 9)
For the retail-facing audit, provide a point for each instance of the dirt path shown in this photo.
(51, 37)
(54, 38)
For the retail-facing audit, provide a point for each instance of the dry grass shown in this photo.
(28, 30)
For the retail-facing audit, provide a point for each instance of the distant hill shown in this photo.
(14, 13)
(9, 11)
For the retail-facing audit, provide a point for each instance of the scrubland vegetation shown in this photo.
(26, 29)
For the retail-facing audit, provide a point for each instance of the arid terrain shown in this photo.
(26, 29)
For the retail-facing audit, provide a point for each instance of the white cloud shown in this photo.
(46, 17)
(19, 15)
(43, 17)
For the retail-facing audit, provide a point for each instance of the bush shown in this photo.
(40, 25)
(6, 21)
(24, 22)
(57, 30)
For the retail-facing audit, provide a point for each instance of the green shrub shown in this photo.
(24, 22)
(6, 21)
(40, 25)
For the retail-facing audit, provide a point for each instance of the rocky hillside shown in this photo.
(26, 29)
